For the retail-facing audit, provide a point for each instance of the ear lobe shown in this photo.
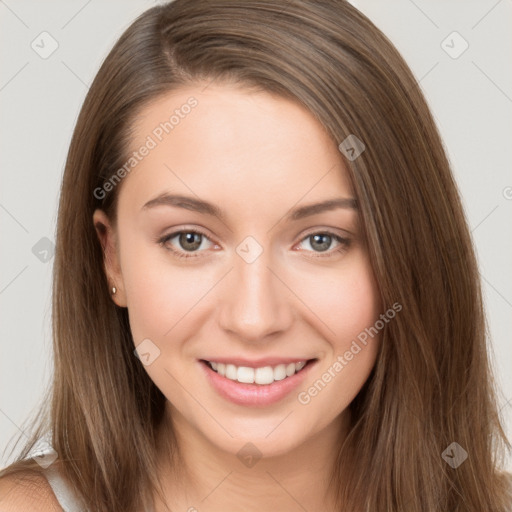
(108, 239)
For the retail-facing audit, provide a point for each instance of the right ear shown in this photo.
(108, 238)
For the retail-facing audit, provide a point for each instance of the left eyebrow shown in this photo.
(198, 205)
(330, 204)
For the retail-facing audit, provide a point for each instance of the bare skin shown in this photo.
(255, 156)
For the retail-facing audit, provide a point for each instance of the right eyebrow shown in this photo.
(187, 202)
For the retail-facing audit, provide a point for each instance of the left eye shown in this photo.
(320, 242)
(191, 241)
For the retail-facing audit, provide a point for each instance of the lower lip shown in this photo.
(255, 395)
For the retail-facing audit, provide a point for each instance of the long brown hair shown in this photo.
(432, 383)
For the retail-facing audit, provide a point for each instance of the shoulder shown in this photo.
(27, 491)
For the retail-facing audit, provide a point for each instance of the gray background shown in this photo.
(470, 94)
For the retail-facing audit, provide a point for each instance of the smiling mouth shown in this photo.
(264, 375)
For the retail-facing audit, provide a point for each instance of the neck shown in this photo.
(208, 479)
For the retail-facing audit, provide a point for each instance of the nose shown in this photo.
(255, 303)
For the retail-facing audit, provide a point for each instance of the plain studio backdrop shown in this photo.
(459, 51)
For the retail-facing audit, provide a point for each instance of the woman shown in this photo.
(265, 295)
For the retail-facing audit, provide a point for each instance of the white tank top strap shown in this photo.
(65, 495)
(45, 455)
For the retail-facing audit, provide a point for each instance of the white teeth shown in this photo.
(290, 369)
(280, 372)
(244, 374)
(231, 371)
(262, 376)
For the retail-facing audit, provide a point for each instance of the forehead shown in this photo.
(234, 144)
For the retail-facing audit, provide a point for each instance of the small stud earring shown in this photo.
(114, 290)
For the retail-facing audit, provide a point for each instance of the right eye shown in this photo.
(190, 241)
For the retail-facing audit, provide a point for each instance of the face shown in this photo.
(245, 302)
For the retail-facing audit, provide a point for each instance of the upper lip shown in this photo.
(257, 363)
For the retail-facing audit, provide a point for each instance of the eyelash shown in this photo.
(344, 243)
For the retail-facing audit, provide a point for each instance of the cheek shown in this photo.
(159, 292)
(347, 309)
(344, 301)
(356, 339)
(357, 306)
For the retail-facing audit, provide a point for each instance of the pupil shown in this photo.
(322, 246)
(188, 238)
